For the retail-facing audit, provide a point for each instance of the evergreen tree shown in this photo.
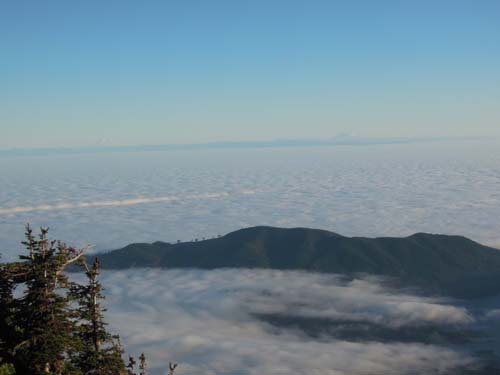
(47, 329)
(99, 351)
(142, 364)
(56, 327)
(7, 320)
(131, 366)
(7, 317)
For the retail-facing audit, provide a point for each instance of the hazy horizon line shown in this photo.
(341, 140)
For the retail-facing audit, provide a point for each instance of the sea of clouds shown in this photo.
(112, 199)
(206, 321)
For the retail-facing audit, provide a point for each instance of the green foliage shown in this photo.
(46, 335)
(451, 265)
(98, 350)
(8, 327)
(7, 369)
(55, 327)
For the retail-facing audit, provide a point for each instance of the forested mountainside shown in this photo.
(442, 264)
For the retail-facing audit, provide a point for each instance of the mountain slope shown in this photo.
(451, 265)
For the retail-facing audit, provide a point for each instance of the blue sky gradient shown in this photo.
(152, 72)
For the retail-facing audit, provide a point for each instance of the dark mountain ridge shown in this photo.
(437, 264)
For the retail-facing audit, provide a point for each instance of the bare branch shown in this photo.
(171, 368)
(73, 259)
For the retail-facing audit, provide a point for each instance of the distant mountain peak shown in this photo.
(437, 263)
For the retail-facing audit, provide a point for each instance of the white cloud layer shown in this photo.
(116, 203)
(204, 320)
(111, 200)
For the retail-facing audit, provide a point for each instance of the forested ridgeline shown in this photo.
(51, 325)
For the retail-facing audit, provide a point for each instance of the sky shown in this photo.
(155, 72)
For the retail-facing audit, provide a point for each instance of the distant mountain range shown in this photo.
(340, 140)
(436, 264)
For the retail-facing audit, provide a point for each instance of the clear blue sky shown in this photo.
(145, 72)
